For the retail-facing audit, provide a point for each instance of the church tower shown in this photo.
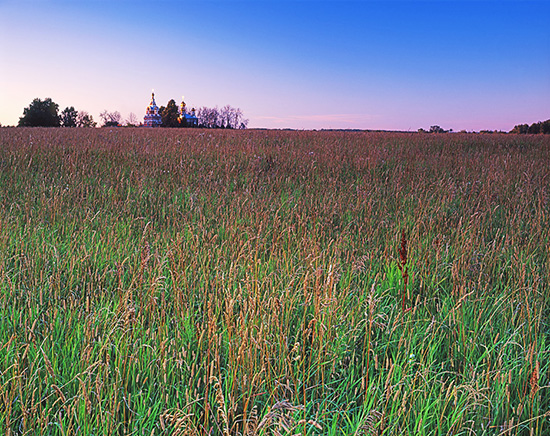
(152, 116)
(187, 119)
(183, 108)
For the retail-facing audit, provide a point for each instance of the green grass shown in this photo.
(246, 282)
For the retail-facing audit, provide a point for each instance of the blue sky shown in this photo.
(395, 65)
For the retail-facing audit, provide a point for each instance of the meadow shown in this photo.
(201, 282)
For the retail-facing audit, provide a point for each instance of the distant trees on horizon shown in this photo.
(434, 129)
(110, 119)
(41, 113)
(45, 113)
(542, 127)
(170, 115)
(225, 118)
(535, 128)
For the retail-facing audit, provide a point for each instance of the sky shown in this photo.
(389, 65)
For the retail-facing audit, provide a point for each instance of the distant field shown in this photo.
(194, 282)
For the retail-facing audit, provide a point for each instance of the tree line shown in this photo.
(226, 117)
(434, 129)
(45, 113)
(535, 128)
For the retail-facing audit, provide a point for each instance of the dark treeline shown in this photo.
(535, 128)
(45, 113)
(226, 117)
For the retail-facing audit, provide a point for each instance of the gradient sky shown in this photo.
(396, 65)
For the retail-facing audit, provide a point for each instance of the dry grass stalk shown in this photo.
(534, 381)
(251, 426)
(371, 424)
(180, 421)
(403, 267)
(59, 393)
(222, 408)
(280, 419)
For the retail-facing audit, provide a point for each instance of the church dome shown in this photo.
(152, 117)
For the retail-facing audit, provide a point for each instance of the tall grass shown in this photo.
(246, 282)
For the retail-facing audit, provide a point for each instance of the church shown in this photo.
(153, 118)
(187, 119)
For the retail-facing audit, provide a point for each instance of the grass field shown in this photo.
(194, 282)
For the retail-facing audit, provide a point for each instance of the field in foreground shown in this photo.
(240, 282)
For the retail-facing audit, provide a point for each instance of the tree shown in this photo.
(227, 114)
(84, 119)
(170, 115)
(534, 128)
(520, 128)
(239, 120)
(436, 129)
(208, 117)
(227, 117)
(41, 113)
(132, 120)
(69, 117)
(110, 119)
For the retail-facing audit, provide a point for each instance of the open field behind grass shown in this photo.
(246, 282)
